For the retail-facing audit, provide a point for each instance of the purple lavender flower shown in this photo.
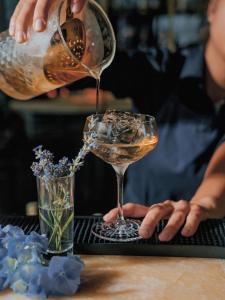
(62, 168)
(44, 155)
(37, 169)
(48, 170)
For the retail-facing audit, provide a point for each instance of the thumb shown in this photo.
(77, 5)
(129, 210)
(111, 215)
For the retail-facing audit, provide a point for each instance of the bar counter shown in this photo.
(185, 268)
(146, 278)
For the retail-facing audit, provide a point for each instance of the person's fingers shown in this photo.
(77, 5)
(23, 19)
(176, 220)
(52, 94)
(154, 215)
(38, 9)
(194, 218)
(135, 210)
(12, 23)
(41, 15)
(111, 215)
(129, 210)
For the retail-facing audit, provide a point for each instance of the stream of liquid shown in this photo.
(96, 74)
(97, 95)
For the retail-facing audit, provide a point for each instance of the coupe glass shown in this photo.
(120, 139)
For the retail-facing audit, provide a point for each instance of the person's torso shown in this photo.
(189, 131)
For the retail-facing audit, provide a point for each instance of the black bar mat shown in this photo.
(209, 241)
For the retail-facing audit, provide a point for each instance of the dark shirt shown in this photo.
(6, 10)
(170, 87)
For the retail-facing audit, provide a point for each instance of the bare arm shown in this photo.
(211, 193)
(207, 203)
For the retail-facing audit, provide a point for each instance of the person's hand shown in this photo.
(180, 214)
(37, 12)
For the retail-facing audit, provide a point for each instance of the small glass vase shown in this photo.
(56, 212)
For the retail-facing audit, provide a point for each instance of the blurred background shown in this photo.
(56, 120)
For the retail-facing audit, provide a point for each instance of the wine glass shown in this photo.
(120, 139)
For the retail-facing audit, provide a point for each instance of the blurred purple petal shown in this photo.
(65, 272)
(19, 286)
(39, 241)
(14, 231)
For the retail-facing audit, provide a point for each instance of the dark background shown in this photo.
(138, 24)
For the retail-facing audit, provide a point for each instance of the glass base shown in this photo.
(49, 254)
(63, 252)
(122, 231)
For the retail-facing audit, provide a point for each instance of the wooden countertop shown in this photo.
(147, 278)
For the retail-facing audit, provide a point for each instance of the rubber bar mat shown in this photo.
(209, 241)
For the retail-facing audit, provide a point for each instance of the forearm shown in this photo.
(211, 196)
(211, 193)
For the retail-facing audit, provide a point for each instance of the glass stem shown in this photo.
(120, 170)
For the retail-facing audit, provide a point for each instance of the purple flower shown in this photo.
(37, 169)
(46, 168)
(62, 168)
(2, 233)
(7, 269)
(37, 240)
(4, 283)
(3, 252)
(29, 254)
(43, 154)
(65, 273)
(25, 272)
(40, 283)
(14, 231)
(14, 245)
(21, 266)
(19, 286)
(4, 278)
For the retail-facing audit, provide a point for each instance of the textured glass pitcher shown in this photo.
(72, 47)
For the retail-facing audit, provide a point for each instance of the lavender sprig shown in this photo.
(89, 144)
(79, 160)
(46, 168)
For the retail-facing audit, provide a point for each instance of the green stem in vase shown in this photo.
(45, 220)
(68, 222)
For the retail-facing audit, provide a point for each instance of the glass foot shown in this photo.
(123, 231)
